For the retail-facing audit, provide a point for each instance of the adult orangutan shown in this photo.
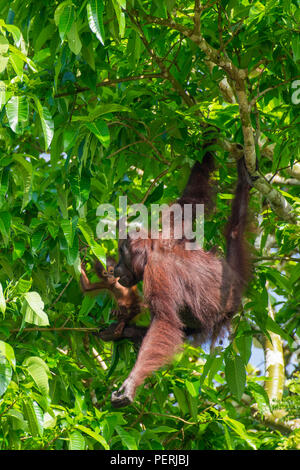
(183, 288)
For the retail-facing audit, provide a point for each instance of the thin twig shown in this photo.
(262, 93)
(163, 173)
(125, 147)
(235, 33)
(276, 258)
(62, 292)
(61, 328)
(8, 408)
(170, 416)
(165, 71)
(158, 156)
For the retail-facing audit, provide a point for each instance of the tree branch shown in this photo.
(276, 179)
(225, 87)
(197, 16)
(276, 258)
(274, 361)
(237, 78)
(278, 202)
(111, 82)
(213, 54)
(165, 71)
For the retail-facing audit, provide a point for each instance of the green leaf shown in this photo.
(7, 351)
(100, 130)
(62, 200)
(22, 286)
(134, 48)
(37, 239)
(118, 5)
(235, 375)
(66, 20)
(215, 367)
(228, 438)
(74, 40)
(73, 252)
(95, 18)
(17, 64)
(17, 111)
(67, 228)
(211, 358)
(5, 374)
(181, 399)
(17, 419)
(278, 279)
(257, 11)
(100, 111)
(80, 186)
(49, 421)
(271, 325)
(2, 302)
(159, 9)
(94, 435)
(98, 250)
(296, 47)
(39, 371)
(56, 146)
(114, 359)
(156, 195)
(34, 417)
(76, 441)
(240, 430)
(6, 266)
(163, 429)
(4, 179)
(244, 345)
(193, 405)
(2, 94)
(86, 306)
(17, 35)
(127, 439)
(46, 121)
(108, 108)
(193, 387)
(26, 174)
(3, 63)
(5, 223)
(4, 45)
(22, 57)
(59, 10)
(19, 249)
(261, 397)
(32, 309)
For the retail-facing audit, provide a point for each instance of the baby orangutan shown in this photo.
(128, 300)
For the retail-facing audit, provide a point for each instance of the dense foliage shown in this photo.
(104, 98)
